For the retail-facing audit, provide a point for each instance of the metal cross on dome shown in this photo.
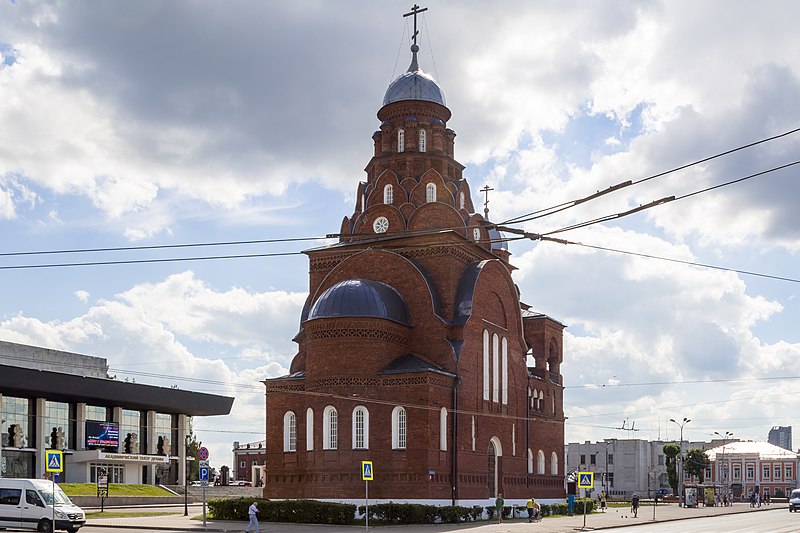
(414, 10)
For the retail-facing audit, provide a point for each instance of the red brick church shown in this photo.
(413, 342)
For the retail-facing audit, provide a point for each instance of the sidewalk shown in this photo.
(613, 518)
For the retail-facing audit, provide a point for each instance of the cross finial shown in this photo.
(486, 190)
(414, 10)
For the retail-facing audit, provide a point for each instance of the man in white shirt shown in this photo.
(252, 511)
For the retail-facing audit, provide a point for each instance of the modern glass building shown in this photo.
(51, 399)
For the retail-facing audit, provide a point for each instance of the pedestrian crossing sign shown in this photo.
(585, 480)
(54, 461)
(366, 471)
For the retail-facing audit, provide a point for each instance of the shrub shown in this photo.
(296, 511)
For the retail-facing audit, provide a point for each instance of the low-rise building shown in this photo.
(249, 462)
(745, 467)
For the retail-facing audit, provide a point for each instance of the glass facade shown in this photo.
(163, 434)
(17, 463)
(115, 473)
(59, 421)
(101, 414)
(130, 432)
(19, 427)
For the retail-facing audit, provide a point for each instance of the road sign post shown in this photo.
(54, 463)
(367, 474)
(585, 482)
(203, 465)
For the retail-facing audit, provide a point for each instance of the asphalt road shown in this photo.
(772, 521)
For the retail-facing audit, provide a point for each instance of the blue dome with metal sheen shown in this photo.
(360, 298)
(414, 85)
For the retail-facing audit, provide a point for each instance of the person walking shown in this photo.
(252, 511)
(498, 506)
(635, 505)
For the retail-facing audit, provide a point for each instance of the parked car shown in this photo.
(794, 501)
(242, 483)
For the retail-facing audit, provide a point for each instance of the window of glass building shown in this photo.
(163, 434)
(58, 425)
(16, 414)
(130, 431)
(95, 412)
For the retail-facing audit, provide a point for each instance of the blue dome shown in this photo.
(414, 85)
(360, 297)
(498, 240)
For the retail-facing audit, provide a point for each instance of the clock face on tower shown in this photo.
(381, 225)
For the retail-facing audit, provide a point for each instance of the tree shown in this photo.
(671, 451)
(696, 463)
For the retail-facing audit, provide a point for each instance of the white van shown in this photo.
(28, 504)
(794, 500)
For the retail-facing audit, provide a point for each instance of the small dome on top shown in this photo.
(362, 298)
(498, 240)
(414, 85)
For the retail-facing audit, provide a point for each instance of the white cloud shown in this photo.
(83, 296)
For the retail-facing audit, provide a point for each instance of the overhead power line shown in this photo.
(566, 205)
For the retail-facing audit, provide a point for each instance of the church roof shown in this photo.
(414, 85)
(411, 363)
(361, 298)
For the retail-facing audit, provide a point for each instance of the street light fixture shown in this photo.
(723, 459)
(680, 475)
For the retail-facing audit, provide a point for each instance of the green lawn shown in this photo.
(122, 489)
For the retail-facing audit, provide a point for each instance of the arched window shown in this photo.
(443, 429)
(388, 195)
(360, 428)
(541, 400)
(553, 464)
(504, 355)
(430, 192)
(423, 138)
(330, 428)
(535, 400)
(461, 200)
(401, 141)
(485, 365)
(540, 462)
(530, 461)
(309, 429)
(495, 368)
(289, 432)
(399, 428)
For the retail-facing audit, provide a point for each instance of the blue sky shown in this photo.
(164, 123)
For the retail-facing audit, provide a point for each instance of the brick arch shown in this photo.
(443, 194)
(397, 222)
(436, 215)
(395, 270)
(387, 177)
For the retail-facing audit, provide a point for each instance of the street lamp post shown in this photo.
(725, 438)
(680, 475)
(186, 480)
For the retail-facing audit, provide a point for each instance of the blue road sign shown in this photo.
(366, 471)
(203, 473)
(585, 480)
(54, 461)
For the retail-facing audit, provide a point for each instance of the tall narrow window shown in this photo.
(388, 195)
(485, 365)
(530, 461)
(360, 428)
(443, 429)
(504, 345)
(399, 428)
(289, 432)
(330, 428)
(541, 400)
(423, 138)
(540, 462)
(309, 429)
(473, 433)
(430, 193)
(495, 368)
(553, 464)
(401, 141)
